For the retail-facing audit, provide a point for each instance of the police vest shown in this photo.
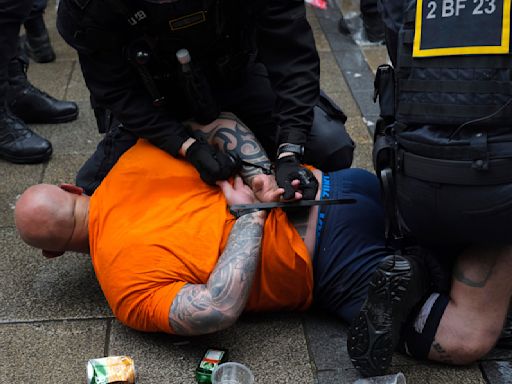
(211, 30)
(454, 64)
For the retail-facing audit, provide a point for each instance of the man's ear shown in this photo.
(71, 188)
(51, 254)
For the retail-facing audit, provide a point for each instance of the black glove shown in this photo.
(288, 168)
(211, 164)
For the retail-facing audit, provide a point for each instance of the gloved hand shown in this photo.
(288, 168)
(211, 164)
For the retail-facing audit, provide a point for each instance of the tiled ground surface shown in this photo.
(53, 316)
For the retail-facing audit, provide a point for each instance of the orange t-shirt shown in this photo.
(154, 226)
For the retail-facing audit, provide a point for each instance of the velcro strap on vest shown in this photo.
(455, 172)
(454, 86)
(426, 109)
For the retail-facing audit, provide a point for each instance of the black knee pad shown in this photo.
(329, 146)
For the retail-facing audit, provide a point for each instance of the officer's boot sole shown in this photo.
(32, 159)
(52, 120)
(375, 330)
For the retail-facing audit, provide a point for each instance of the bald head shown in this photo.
(45, 216)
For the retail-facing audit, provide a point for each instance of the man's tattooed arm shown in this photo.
(205, 308)
(231, 136)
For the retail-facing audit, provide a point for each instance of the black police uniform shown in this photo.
(259, 59)
(445, 131)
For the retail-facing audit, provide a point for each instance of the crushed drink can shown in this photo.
(112, 369)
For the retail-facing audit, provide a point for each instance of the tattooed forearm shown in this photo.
(231, 135)
(439, 354)
(205, 308)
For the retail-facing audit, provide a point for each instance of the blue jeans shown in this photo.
(351, 242)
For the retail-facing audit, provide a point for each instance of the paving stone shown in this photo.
(331, 79)
(358, 130)
(337, 376)
(50, 352)
(363, 157)
(364, 99)
(35, 288)
(497, 372)
(322, 45)
(62, 50)
(77, 90)
(78, 137)
(343, 97)
(440, 374)
(52, 78)
(273, 346)
(375, 56)
(14, 178)
(327, 341)
(63, 168)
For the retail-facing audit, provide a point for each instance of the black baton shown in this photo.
(291, 204)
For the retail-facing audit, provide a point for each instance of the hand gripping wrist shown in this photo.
(288, 169)
(211, 164)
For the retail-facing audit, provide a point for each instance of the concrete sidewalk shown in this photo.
(53, 316)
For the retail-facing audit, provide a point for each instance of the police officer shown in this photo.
(20, 101)
(256, 60)
(443, 151)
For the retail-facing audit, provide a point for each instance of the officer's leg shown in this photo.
(17, 142)
(37, 42)
(116, 142)
(465, 326)
(372, 22)
(328, 147)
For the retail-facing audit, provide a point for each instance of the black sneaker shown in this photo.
(18, 144)
(397, 286)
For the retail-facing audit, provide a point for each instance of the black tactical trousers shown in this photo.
(329, 147)
(12, 14)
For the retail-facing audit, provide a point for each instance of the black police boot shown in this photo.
(37, 42)
(398, 285)
(31, 104)
(373, 27)
(18, 144)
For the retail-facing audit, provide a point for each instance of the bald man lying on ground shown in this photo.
(170, 257)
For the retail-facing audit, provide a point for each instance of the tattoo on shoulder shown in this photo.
(441, 354)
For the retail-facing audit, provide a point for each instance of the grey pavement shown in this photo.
(54, 318)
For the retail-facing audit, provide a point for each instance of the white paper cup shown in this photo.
(232, 373)
(398, 378)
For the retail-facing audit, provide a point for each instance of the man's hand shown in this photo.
(238, 193)
(288, 169)
(212, 164)
(266, 190)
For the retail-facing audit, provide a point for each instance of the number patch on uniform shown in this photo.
(461, 27)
